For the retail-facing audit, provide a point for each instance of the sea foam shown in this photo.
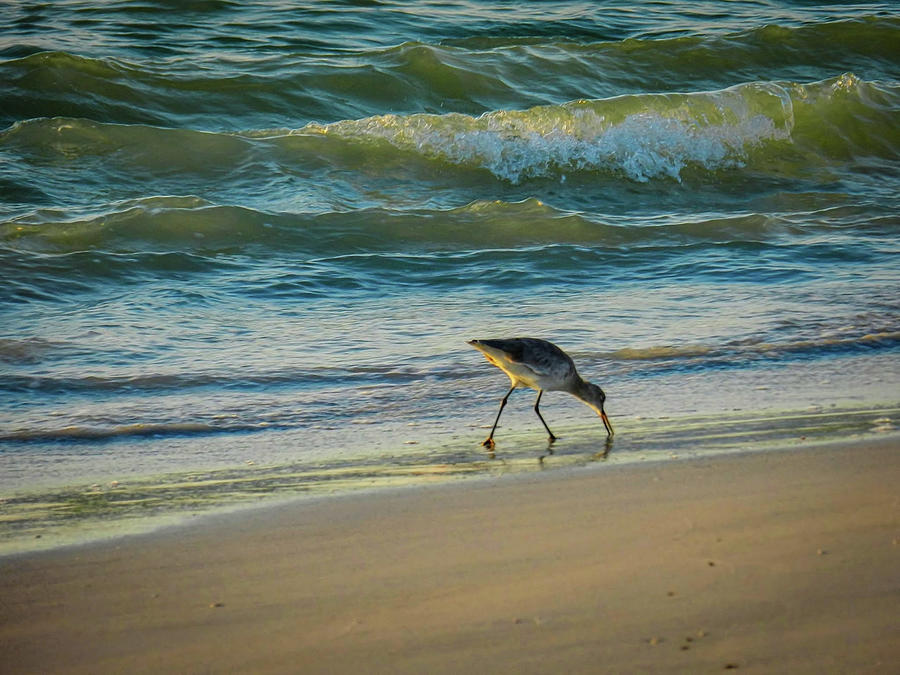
(642, 136)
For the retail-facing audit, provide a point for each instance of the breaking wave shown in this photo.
(643, 137)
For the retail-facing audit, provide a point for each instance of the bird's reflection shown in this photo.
(598, 456)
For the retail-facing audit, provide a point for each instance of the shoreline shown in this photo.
(127, 505)
(762, 561)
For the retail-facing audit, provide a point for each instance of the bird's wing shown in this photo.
(514, 349)
(539, 356)
(546, 359)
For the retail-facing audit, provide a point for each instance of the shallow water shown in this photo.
(235, 234)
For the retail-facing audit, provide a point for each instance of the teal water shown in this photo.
(235, 237)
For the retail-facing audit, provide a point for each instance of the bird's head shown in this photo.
(594, 397)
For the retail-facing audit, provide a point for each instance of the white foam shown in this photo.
(644, 137)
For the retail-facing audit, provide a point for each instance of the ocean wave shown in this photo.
(25, 350)
(188, 227)
(764, 128)
(99, 432)
(114, 90)
(119, 91)
(646, 136)
(176, 380)
(652, 360)
(467, 74)
(191, 235)
(643, 137)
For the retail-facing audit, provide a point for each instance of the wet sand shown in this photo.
(770, 562)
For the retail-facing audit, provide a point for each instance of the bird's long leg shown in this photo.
(489, 441)
(540, 417)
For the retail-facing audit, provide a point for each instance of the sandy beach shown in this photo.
(769, 562)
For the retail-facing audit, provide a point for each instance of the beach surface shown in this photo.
(784, 561)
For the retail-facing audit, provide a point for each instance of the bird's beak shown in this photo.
(609, 429)
(606, 423)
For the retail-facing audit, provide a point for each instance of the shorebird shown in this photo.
(540, 365)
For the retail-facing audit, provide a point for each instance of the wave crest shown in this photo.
(642, 136)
